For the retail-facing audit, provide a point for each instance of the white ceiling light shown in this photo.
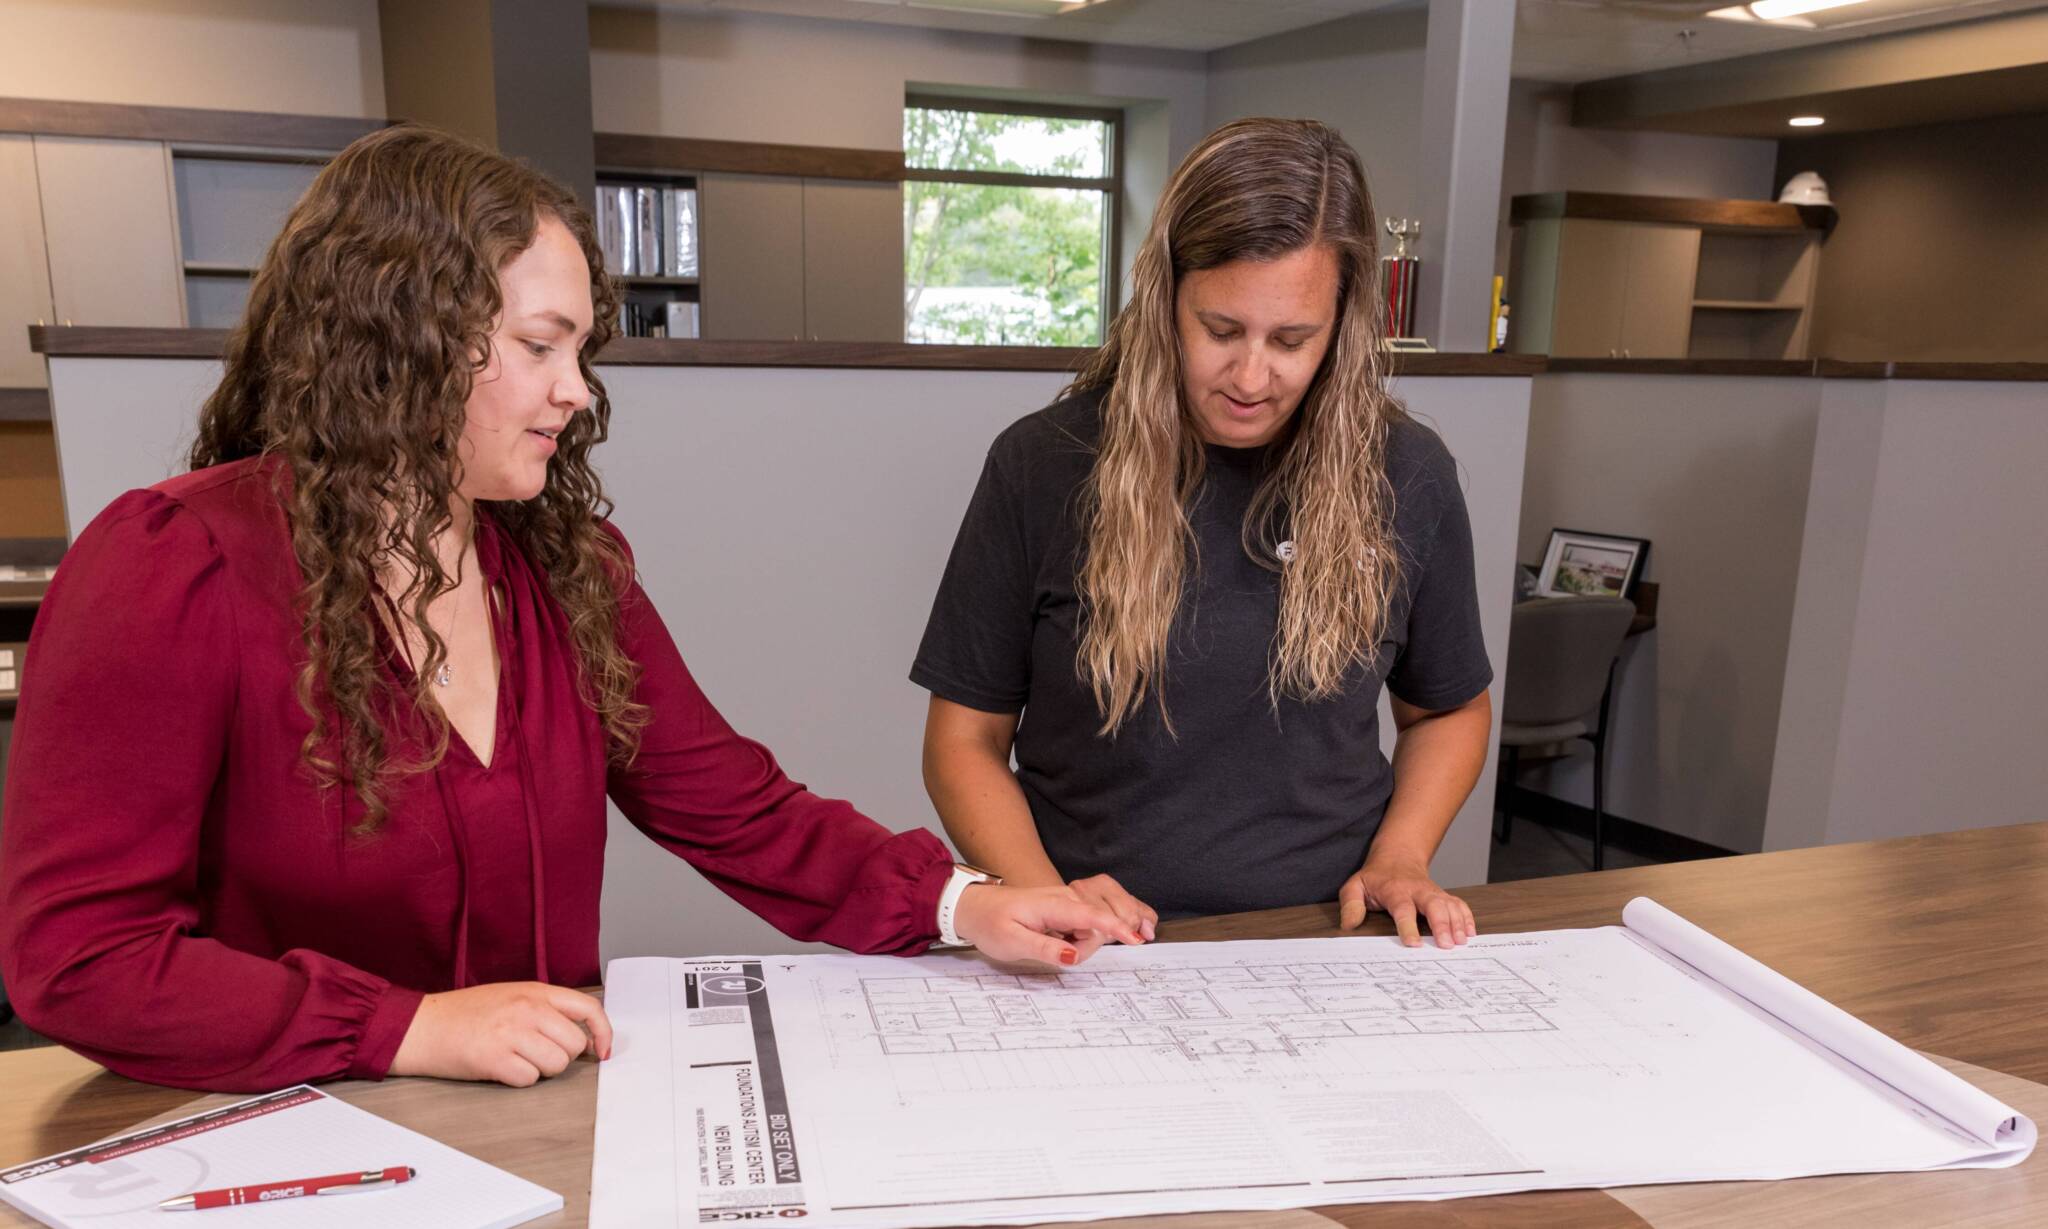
(1807, 121)
(995, 8)
(1782, 12)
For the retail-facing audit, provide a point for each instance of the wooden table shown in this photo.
(1939, 941)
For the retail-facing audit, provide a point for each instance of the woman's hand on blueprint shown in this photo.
(1403, 890)
(1054, 926)
(1109, 894)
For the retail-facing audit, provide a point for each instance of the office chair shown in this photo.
(1561, 655)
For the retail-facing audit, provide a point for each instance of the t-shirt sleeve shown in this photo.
(1443, 663)
(120, 736)
(977, 644)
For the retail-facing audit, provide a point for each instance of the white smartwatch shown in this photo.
(964, 876)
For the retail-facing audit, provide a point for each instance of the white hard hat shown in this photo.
(1805, 188)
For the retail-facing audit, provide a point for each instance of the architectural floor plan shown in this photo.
(1224, 1009)
(859, 1092)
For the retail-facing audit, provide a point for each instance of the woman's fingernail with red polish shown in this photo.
(1069, 956)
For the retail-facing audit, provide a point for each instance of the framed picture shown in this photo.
(1580, 564)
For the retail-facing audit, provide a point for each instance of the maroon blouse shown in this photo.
(179, 901)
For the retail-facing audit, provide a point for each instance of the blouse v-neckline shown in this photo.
(398, 655)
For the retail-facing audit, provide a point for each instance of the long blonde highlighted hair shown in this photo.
(1255, 189)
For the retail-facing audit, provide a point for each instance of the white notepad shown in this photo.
(297, 1133)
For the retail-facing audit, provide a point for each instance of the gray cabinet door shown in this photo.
(107, 220)
(24, 265)
(1656, 316)
(751, 272)
(853, 260)
(1592, 282)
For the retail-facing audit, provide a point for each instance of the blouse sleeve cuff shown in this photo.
(386, 1028)
(926, 889)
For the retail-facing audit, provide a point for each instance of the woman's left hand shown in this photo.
(1404, 890)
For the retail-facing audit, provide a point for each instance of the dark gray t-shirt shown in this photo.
(1247, 808)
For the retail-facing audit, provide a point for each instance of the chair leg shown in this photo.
(1502, 791)
(1599, 798)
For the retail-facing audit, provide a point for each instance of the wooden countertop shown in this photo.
(1927, 938)
(104, 342)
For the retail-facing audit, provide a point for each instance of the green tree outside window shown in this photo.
(1003, 263)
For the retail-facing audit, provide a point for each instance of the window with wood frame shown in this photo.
(1010, 229)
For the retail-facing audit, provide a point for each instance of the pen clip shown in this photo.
(352, 1187)
(370, 1179)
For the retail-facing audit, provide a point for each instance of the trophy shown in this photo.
(1400, 273)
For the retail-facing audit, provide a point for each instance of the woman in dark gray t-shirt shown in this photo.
(1178, 590)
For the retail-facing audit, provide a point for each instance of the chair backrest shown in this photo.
(1559, 649)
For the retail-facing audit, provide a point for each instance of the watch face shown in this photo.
(980, 874)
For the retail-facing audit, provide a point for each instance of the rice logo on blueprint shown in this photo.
(746, 1153)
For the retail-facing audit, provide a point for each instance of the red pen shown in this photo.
(266, 1192)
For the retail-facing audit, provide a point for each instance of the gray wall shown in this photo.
(794, 549)
(1544, 153)
(791, 525)
(1714, 471)
(751, 77)
(1939, 251)
(308, 57)
(1913, 697)
(1361, 75)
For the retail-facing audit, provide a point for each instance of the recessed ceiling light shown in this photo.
(1807, 121)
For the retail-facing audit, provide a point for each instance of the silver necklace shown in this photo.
(446, 674)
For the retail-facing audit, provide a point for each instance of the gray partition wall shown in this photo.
(791, 525)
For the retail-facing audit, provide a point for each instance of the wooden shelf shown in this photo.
(1730, 216)
(1745, 305)
(638, 154)
(24, 405)
(184, 125)
(640, 279)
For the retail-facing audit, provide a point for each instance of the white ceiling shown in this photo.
(1555, 40)
(1585, 40)
(1179, 25)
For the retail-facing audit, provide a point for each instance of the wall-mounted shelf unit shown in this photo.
(797, 242)
(648, 222)
(1605, 276)
(229, 204)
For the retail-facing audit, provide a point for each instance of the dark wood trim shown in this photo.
(1677, 210)
(103, 342)
(1966, 371)
(54, 117)
(662, 352)
(1844, 369)
(32, 552)
(1461, 364)
(81, 342)
(1006, 106)
(1686, 366)
(625, 151)
(24, 405)
(1643, 840)
(1010, 179)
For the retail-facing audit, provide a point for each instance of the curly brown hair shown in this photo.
(366, 324)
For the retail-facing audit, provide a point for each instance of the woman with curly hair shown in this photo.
(1190, 576)
(309, 780)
